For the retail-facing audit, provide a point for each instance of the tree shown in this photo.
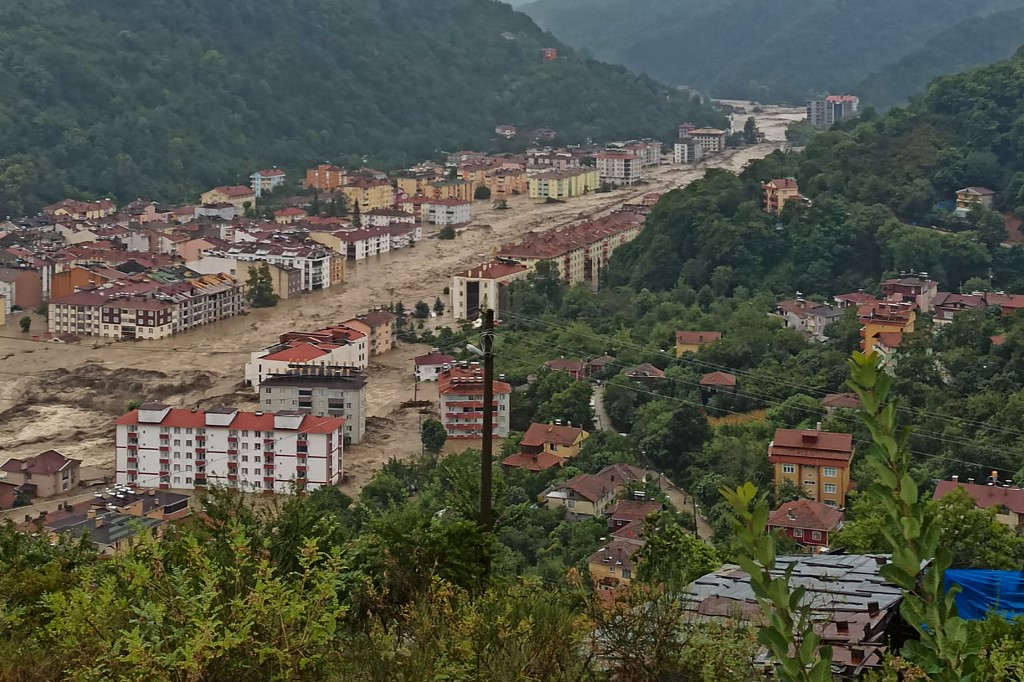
(672, 557)
(482, 193)
(447, 232)
(314, 207)
(750, 131)
(421, 310)
(357, 219)
(788, 491)
(25, 323)
(433, 435)
(438, 306)
(260, 290)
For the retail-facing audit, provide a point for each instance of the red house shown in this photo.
(809, 523)
(577, 369)
(549, 54)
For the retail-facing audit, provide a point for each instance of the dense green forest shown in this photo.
(787, 50)
(126, 99)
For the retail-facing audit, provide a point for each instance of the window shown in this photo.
(815, 535)
(177, 467)
(188, 431)
(256, 458)
(245, 446)
(798, 532)
(245, 458)
(829, 472)
(177, 429)
(789, 468)
(572, 503)
(258, 446)
(188, 467)
(177, 442)
(245, 472)
(830, 503)
(611, 569)
(188, 443)
(177, 479)
(830, 488)
(188, 479)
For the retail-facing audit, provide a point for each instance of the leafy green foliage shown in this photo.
(163, 101)
(260, 287)
(433, 435)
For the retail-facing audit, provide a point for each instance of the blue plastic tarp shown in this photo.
(983, 592)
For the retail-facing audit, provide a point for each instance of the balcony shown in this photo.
(232, 477)
(133, 460)
(200, 451)
(165, 436)
(232, 465)
(232, 439)
(165, 448)
(164, 460)
(232, 451)
(268, 479)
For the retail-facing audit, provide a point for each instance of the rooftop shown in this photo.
(433, 358)
(718, 379)
(494, 269)
(697, 338)
(811, 443)
(252, 421)
(985, 496)
(806, 514)
(539, 434)
(540, 461)
(469, 380)
(44, 464)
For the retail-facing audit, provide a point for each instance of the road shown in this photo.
(679, 498)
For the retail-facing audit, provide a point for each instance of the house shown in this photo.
(807, 317)
(81, 210)
(878, 317)
(451, 189)
(380, 328)
(263, 181)
(687, 150)
(505, 183)
(691, 342)
(912, 288)
(563, 441)
(816, 461)
(855, 611)
(44, 475)
(1008, 501)
(777, 192)
(626, 512)
(808, 523)
(969, 197)
(711, 140)
(853, 300)
(532, 461)
(482, 287)
(577, 369)
(427, 367)
(355, 244)
(369, 194)
(163, 447)
(342, 347)
(611, 567)
(287, 216)
(549, 54)
(599, 364)
(236, 195)
(715, 382)
(460, 392)
(646, 374)
(332, 391)
(619, 168)
(109, 531)
(949, 305)
(447, 211)
(591, 495)
(840, 401)
(326, 178)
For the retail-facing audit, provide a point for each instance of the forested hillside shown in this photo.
(125, 98)
(775, 51)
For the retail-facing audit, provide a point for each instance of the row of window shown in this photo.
(799, 533)
(827, 472)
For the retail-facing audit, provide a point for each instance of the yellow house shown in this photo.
(883, 317)
(611, 566)
(968, 197)
(691, 342)
(818, 462)
(475, 173)
(506, 182)
(563, 184)
(370, 194)
(561, 441)
(451, 189)
(236, 195)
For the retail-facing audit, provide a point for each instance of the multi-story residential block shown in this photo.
(7, 293)
(834, 108)
(332, 391)
(428, 367)
(355, 244)
(808, 523)
(236, 195)
(448, 211)
(551, 159)
(969, 197)
(380, 328)
(451, 189)
(648, 151)
(385, 217)
(314, 263)
(912, 288)
(267, 180)
(417, 183)
(816, 461)
(44, 475)
(807, 317)
(818, 112)
(879, 317)
(81, 210)
(146, 310)
(416, 205)
(711, 140)
(579, 251)
(687, 151)
(286, 281)
(299, 351)
(369, 193)
(476, 172)
(326, 178)
(619, 168)
(483, 287)
(460, 402)
(777, 192)
(505, 183)
(563, 184)
(691, 342)
(164, 447)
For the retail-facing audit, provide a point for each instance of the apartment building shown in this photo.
(146, 310)
(563, 184)
(163, 447)
(385, 217)
(505, 183)
(236, 195)
(711, 140)
(313, 262)
(834, 108)
(336, 346)
(417, 183)
(460, 398)
(450, 211)
(331, 391)
(326, 177)
(648, 151)
(579, 251)
(816, 461)
(267, 180)
(483, 287)
(355, 244)
(451, 189)
(619, 168)
(380, 328)
(369, 193)
(687, 151)
(807, 317)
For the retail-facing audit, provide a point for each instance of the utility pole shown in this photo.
(486, 451)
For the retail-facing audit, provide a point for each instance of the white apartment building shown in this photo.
(448, 211)
(460, 398)
(385, 217)
(619, 168)
(361, 244)
(266, 180)
(290, 354)
(687, 151)
(711, 140)
(483, 287)
(314, 262)
(403, 235)
(157, 446)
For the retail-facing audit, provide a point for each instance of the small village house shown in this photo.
(969, 197)
(691, 342)
(577, 369)
(777, 192)
(1005, 497)
(44, 475)
(807, 522)
(611, 567)
(427, 367)
(236, 195)
(878, 317)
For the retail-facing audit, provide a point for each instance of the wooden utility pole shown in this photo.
(486, 451)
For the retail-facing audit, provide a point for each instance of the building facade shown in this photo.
(45, 475)
(818, 462)
(619, 168)
(380, 327)
(448, 211)
(460, 392)
(162, 447)
(563, 184)
(711, 140)
(263, 181)
(687, 151)
(483, 287)
(331, 391)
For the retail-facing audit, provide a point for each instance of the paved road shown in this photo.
(679, 497)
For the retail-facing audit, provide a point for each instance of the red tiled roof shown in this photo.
(493, 270)
(284, 212)
(298, 352)
(633, 510)
(619, 553)
(646, 370)
(433, 359)
(576, 235)
(270, 172)
(806, 514)
(718, 379)
(242, 420)
(43, 464)
(890, 339)
(998, 339)
(539, 434)
(235, 190)
(589, 486)
(782, 183)
(564, 365)
(811, 443)
(538, 462)
(847, 400)
(632, 530)
(856, 297)
(985, 495)
(697, 338)
(467, 381)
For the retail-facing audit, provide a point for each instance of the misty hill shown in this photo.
(783, 50)
(128, 98)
